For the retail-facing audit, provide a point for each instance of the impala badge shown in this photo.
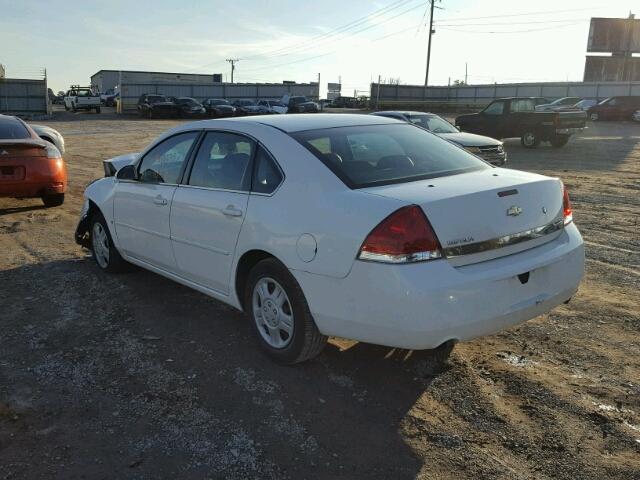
(514, 211)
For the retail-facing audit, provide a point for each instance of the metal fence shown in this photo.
(130, 93)
(479, 95)
(23, 97)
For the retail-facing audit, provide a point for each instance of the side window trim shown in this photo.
(187, 160)
(186, 174)
(254, 171)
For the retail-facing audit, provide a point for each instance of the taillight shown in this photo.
(567, 212)
(405, 236)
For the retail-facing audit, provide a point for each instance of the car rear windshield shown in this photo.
(10, 128)
(365, 156)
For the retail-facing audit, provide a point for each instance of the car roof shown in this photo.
(403, 112)
(310, 121)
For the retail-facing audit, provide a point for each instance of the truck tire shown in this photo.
(530, 140)
(66, 107)
(98, 110)
(559, 141)
(73, 107)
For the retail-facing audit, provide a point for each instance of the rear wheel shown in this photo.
(559, 141)
(73, 108)
(53, 200)
(103, 250)
(98, 109)
(530, 140)
(279, 314)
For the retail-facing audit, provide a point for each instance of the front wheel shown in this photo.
(279, 314)
(103, 250)
(530, 140)
(559, 141)
(53, 200)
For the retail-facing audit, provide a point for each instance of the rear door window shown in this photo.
(523, 105)
(267, 174)
(223, 162)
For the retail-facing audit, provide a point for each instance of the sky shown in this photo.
(353, 41)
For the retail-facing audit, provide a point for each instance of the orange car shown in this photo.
(29, 166)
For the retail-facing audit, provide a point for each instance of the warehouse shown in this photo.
(107, 80)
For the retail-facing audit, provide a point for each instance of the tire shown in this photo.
(73, 108)
(66, 107)
(559, 141)
(149, 114)
(301, 340)
(98, 109)
(53, 200)
(103, 251)
(530, 140)
(594, 117)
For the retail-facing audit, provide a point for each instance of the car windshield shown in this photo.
(156, 99)
(373, 155)
(10, 128)
(218, 102)
(432, 123)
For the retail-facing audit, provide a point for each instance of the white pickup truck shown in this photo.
(81, 98)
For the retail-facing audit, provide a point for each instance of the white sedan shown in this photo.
(50, 135)
(353, 226)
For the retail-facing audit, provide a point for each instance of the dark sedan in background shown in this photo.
(489, 149)
(219, 108)
(190, 107)
(153, 105)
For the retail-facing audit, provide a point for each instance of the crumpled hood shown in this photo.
(112, 165)
(469, 139)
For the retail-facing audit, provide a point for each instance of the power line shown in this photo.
(438, 24)
(510, 31)
(546, 12)
(336, 31)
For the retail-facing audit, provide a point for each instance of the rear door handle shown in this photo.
(160, 200)
(232, 211)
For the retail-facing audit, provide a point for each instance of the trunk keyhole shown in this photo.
(523, 277)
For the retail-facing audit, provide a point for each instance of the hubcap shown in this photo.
(272, 313)
(100, 243)
(529, 138)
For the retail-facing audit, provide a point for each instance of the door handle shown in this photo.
(160, 200)
(232, 211)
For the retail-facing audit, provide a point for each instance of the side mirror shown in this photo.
(128, 172)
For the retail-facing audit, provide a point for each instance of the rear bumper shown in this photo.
(422, 305)
(42, 177)
(568, 131)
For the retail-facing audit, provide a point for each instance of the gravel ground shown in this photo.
(133, 376)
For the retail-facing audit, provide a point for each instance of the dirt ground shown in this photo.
(134, 376)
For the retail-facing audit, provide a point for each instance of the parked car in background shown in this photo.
(299, 104)
(489, 149)
(219, 108)
(50, 135)
(190, 107)
(30, 167)
(636, 116)
(583, 105)
(111, 99)
(249, 107)
(557, 104)
(154, 105)
(105, 95)
(81, 98)
(273, 106)
(615, 108)
(435, 246)
(516, 117)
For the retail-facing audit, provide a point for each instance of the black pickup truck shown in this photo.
(516, 117)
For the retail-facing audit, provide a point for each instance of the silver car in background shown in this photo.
(489, 149)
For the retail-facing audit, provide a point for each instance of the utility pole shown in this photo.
(318, 85)
(465, 74)
(426, 76)
(232, 61)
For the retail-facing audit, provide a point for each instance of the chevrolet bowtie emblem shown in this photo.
(514, 211)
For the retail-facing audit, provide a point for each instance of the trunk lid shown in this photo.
(20, 148)
(487, 214)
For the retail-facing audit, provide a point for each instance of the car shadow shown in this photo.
(140, 337)
(26, 208)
